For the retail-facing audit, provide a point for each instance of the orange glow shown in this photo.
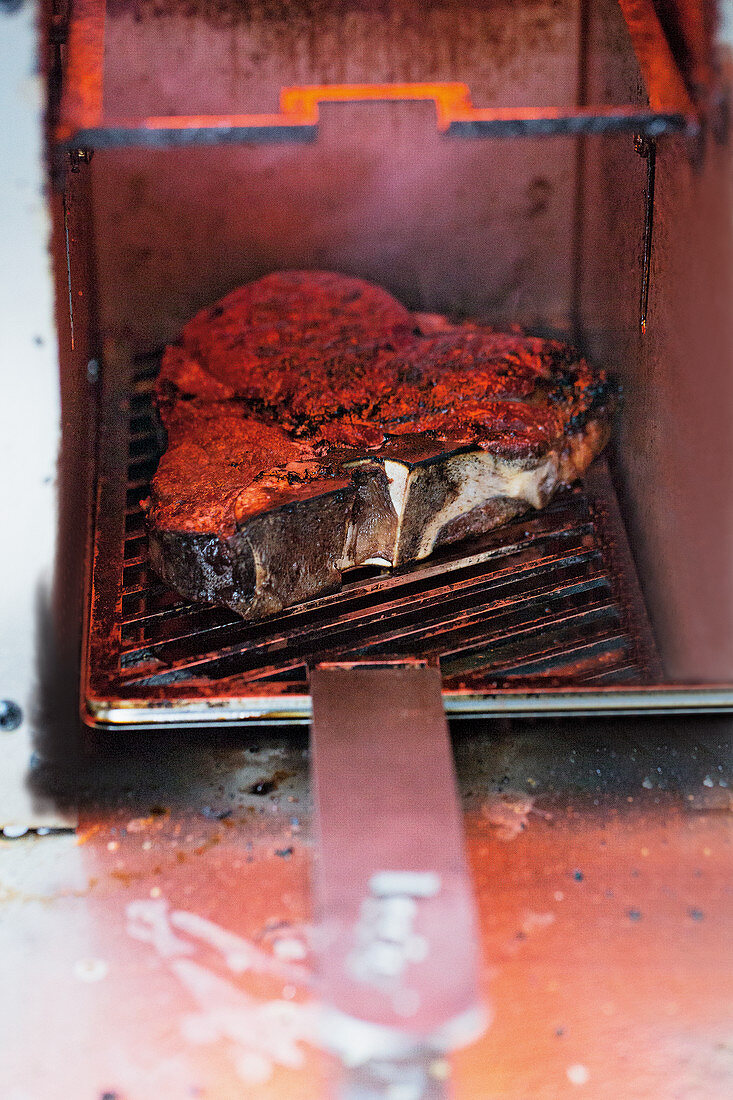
(452, 100)
(299, 107)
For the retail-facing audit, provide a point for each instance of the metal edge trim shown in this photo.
(206, 130)
(172, 135)
(586, 121)
(297, 709)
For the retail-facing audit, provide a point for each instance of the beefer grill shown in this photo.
(543, 615)
(502, 646)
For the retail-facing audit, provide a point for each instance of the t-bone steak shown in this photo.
(314, 425)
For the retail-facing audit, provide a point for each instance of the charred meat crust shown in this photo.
(210, 568)
(282, 556)
(517, 396)
(313, 426)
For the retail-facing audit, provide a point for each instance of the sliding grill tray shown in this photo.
(543, 614)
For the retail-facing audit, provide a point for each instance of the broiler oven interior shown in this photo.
(562, 166)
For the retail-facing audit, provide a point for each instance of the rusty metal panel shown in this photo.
(380, 193)
(673, 454)
(380, 196)
(665, 84)
(511, 55)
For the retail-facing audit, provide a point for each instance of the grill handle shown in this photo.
(396, 946)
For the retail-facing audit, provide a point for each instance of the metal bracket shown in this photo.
(79, 156)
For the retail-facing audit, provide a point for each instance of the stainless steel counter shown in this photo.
(164, 949)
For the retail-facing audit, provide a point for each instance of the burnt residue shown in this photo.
(543, 16)
(539, 192)
(231, 12)
(267, 786)
(262, 786)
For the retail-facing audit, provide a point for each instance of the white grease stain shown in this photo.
(239, 954)
(264, 1033)
(509, 812)
(577, 1074)
(90, 970)
(148, 921)
(261, 1033)
(535, 922)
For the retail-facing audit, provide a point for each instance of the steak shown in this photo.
(314, 425)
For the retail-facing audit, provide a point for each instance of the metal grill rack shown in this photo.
(547, 607)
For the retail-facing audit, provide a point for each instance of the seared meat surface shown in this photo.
(312, 427)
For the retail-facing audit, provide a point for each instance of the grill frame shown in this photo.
(118, 688)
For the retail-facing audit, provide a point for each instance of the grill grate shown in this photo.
(546, 603)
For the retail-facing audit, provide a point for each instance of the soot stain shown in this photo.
(267, 786)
